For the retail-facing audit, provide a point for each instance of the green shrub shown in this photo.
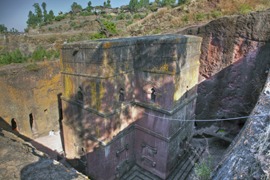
(216, 14)
(245, 9)
(97, 36)
(41, 54)
(85, 13)
(12, 57)
(185, 18)
(52, 54)
(204, 168)
(180, 2)
(107, 16)
(60, 17)
(72, 24)
(200, 16)
(128, 16)
(121, 16)
(129, 22)
(110, 26)
(138, 16)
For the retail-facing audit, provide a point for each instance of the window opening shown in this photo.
(121, 95)
(153, 95)
(14, 124)
(31, 120)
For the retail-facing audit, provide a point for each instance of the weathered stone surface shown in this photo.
(31, 89)
(20, 160)
(234, 60)
(138, 130)
(249, 155)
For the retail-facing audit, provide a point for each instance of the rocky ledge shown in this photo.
(20, 160)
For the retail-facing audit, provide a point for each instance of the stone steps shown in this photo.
(186, 164)
(137, 173)
(181, 171)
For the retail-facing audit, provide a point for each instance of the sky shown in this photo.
(14, 13)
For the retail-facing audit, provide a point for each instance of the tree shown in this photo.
(45, 14)
(38, 11)
(107, 4)
(182, 2)
(75, 8)
(38, 18)
(3, 28)
(89, 6)
(168, 2)
(50, 16)
(133, 5)
(13, 30)
(32, 20)
(144, 3)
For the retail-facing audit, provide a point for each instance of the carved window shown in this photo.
(153, 95)
(121, 95)
(13, 124)
(31, 121)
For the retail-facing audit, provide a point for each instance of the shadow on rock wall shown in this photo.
(234, 91)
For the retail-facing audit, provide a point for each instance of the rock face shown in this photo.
(20, 160)
(249, 155)
(234, 61)
(31, 93)
(234, 64)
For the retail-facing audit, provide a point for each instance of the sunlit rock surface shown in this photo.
(30, 93)
(20, 160)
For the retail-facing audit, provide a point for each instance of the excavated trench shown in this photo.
(234, 67)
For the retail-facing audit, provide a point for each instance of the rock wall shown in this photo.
(234, 64)
(234, 67)
(248, 157)
(31, 94)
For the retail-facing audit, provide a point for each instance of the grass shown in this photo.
(41, 54)
(17, 56)
(203, 169)
(216, 14)
(32, 67)
(12, 57)
(245, 8)
(200, 16)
